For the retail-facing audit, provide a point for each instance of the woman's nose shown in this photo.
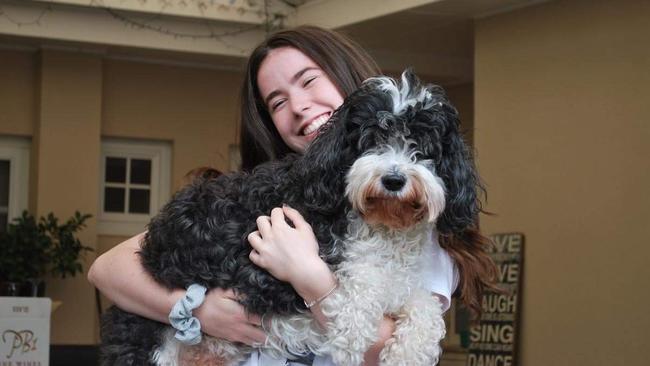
(300, 102)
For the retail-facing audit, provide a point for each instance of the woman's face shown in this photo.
(299, 96)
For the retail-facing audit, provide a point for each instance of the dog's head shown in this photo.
(409, 162)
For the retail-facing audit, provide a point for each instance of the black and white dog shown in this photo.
(389, 167)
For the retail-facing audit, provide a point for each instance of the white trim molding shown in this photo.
(16, 150)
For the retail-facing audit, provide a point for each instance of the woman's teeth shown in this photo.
(315, 124)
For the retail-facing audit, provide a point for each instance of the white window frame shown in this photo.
(16, 150)
(160, 155)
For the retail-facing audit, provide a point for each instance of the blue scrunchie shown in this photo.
(188, 327)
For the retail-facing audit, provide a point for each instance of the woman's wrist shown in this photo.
(188, 327)
(315, 281)
(174, 296)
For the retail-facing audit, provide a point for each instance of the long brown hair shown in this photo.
(478, 273)
(347, 65)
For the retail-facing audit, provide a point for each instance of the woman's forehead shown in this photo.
(282, 65)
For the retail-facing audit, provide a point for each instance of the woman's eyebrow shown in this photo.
(297, 76)
(294, 78)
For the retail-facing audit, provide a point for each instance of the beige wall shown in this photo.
(66, 102)
(195, 109)
(17, 92)
(67, 171)
(562, 127)
(462, 97)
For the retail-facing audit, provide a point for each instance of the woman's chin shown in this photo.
(310, 137)
(305, 141)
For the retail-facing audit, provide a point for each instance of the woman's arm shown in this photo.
(301, 266)
(120, 276)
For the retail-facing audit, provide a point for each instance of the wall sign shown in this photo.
(24, 331)
(493, 338)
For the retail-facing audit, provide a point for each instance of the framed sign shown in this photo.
(493, 340)
(25, 331)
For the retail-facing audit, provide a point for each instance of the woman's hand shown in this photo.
(287, 253)
(290, 254)
(221, 316)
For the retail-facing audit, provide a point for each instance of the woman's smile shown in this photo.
(299, 95)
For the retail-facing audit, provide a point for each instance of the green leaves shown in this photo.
(30, 249)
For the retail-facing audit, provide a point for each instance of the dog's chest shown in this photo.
(385, 263)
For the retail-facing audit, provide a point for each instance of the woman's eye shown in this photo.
(277, 104)
(309, 80)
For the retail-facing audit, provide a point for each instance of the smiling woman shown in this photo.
(330, 57)
(294, 81)
(299, 96)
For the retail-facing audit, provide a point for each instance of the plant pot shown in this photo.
(29, 288)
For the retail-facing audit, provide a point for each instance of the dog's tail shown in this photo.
(128, 339)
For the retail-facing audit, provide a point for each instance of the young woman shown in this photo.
(294, 82)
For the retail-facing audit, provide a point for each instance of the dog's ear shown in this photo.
(321, 170)
(454, 164)
(344, 136)
(332, 149)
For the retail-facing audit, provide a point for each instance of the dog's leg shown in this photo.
(418, 331)
(168, 354)
(292, 335)
(354, 312)
(210, 352)
(214, 352)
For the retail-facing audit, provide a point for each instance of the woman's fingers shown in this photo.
(277, 218)
(256, 320)
(228, 294)
(295, 217)
(257, 243)
(250, 331)
(255, 239)
(248, 328)
(254, 336)
(264, 226)
(256, 258)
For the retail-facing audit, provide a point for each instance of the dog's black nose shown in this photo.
(393, 181)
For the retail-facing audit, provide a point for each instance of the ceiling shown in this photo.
(436, 37)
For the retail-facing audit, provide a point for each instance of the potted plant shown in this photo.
(32, 248)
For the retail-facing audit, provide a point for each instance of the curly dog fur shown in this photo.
(388, 168)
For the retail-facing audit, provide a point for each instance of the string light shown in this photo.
(271, 20)
(19, 23)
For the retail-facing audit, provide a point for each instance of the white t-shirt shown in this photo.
(439, 275)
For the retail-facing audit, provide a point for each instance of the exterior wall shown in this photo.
(195, 109)
(17, 92)
(561, 126)
(462, 97)
(67, 102)
(67, 175)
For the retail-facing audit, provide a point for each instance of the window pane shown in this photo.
(4, 182)
(116, 170)
(139, 201)
(114, 199)
(140, 171)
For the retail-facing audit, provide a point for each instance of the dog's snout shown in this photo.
(393, 181)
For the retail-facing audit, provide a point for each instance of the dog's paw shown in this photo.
(399, 354)
(344, 357)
